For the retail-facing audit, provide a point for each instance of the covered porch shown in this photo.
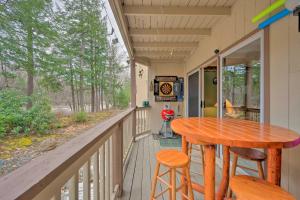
(116, 159)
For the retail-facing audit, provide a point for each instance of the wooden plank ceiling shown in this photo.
(170, 29)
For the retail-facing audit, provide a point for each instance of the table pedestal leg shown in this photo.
(274, 166)
(209, 176)
(184, 145)
(225, 174)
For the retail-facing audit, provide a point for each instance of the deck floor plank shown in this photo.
(146, 180)
(141, 166)
(154, 150)
(136, 191)
(129, 175)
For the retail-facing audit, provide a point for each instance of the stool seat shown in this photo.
(252, 188)
(172, 158)
(249, 154)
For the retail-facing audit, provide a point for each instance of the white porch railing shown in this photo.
(89, 166)
(142, 120)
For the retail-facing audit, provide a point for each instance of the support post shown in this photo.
(133, 96)
(117, 158)
(225, 174)
(209, 176)
(274, 166)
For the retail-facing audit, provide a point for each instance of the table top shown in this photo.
(235, 132)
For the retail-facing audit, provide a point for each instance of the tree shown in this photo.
(27, 35)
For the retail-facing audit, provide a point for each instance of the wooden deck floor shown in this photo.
(140, 169)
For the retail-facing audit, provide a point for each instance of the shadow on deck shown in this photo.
(140, 169)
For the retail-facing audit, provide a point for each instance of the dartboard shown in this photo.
(166, 88)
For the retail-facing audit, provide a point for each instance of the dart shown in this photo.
(268, 10)
(274, 18)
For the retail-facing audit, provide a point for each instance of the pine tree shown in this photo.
(27, 35)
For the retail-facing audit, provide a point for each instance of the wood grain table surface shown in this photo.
(233, 133)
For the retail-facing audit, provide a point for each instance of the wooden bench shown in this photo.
(252, 188)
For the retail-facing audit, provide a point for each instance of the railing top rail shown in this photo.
(143, 108)
(30, 179)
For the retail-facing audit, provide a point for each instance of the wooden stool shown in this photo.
(192, 144)
(252, 188)
(201, 149)
(172, 159)
(247, 154)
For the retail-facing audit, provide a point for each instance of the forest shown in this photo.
(57, 53)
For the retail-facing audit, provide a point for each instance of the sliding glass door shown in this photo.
(194, 94)
(210, 99)
(242, 82)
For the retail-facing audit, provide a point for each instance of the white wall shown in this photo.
(142, 87)
(284, 72)
(163, 69)
(285, 92)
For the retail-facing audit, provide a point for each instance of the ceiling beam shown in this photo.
(165, 44)
(176, 10)
(166, 60)
(142, 60)
(162, 53)
(144, 32)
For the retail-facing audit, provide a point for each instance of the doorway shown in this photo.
(194, 94)
(210, 86)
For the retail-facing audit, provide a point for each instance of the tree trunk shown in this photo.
(72, 87)
(77, 96)
(30, 66)
(4, 71)
(96, 98)
(93, 98)
(106, 102)
(92, 79)
(81, 97)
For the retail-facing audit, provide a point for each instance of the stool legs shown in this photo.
(202, 157)
(154, 181)
(233, 171)
(260, 170)
(173, 185)
(189, 183)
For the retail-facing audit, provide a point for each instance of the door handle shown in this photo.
(202, 104)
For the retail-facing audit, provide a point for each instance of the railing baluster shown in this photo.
(137, 122)
(147, 120)
(102, 172)
(117, 159)
(107, 169)
(73, 187)
(142, 113)
(96, 176)
(110, 168)
(140, 121)
(130, 130)
(86, 181)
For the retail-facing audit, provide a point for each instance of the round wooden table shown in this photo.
(234, 133)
